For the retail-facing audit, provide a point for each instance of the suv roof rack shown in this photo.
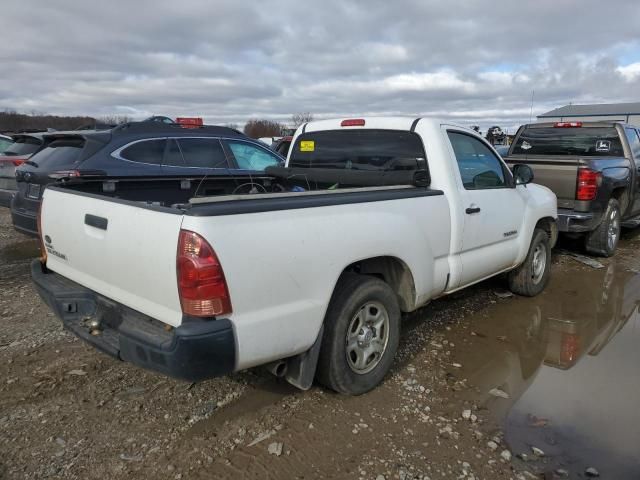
(157, 127)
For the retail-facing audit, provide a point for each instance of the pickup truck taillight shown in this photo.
(201, 284)
(588, 181)
(569, 348)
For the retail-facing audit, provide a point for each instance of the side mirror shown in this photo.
(522, 174)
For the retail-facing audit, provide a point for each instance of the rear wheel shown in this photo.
(361, 336)
(530, 278)
(603, 241)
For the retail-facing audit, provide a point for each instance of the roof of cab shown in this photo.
(383, 123)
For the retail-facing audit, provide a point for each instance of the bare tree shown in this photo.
(298, 119)
(263, 128)
(235, 126)
(114, 119)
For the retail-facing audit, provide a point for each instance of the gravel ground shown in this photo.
(68, 411)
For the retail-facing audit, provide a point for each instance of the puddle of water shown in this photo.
(569, 360)
(20, 251)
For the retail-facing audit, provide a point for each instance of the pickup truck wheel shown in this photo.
(603, 240)
(362, 331)
(530, 278)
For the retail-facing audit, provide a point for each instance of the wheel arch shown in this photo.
(549, 225)
(393, 271)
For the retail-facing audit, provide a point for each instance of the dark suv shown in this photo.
(140, 150)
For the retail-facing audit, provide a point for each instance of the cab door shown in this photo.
(633, 137)
(493, 208)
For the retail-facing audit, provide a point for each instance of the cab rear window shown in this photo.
(580, 141)
(365, 150)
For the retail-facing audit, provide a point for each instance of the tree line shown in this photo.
(12, 121)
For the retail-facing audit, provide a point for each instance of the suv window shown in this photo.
(59, 154)
(583, 141)
(251, 157)
(23, 146)
(202, 152)
(479, 166)
(634, 142)
(369, 150)
(145, 151)
(173, 155)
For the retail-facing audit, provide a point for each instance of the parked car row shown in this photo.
(132, 150)
(198, 253)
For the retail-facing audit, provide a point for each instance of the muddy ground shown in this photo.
(68, 411)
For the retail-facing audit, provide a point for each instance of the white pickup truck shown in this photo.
(305, 270)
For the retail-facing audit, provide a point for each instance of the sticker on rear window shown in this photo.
(603, 146)
(307, 146)
(525, 145)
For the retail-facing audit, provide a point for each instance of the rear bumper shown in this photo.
(195, 350)
(577, 222)
(24, 222)
(5, 197)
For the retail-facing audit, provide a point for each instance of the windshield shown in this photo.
(582, 141)
(23, 146)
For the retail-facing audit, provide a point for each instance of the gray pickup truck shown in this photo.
(594, 170)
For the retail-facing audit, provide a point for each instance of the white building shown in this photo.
(623, 112)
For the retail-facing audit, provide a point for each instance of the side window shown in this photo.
(479, 167)
(250, 157)
(283, 148)
(203, 153)
(173, 156)
(634, 142)
(146, 151)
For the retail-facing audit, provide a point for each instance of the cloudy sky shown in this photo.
(475, 61)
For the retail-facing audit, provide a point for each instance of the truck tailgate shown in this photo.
(559, 174)
(122, 251)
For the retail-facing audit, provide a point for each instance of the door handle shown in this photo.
(95, 221)
(472, 209)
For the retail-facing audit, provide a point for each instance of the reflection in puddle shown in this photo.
(568, 360)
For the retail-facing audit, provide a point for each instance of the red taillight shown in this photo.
(567, 124)
(588, 182)
(569, 348)
(352, 122)
(201, 284)
(17, 162)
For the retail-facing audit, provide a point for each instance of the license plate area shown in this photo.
(34, 190)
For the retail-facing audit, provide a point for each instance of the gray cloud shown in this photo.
(473, 61)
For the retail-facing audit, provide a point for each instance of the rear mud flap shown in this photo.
(301, 369)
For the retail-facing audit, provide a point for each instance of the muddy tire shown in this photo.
(530, 278)
(603, 241)
(361, 335)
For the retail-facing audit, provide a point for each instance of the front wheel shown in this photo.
(361, 335)
(603, 240)
(530, 278)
